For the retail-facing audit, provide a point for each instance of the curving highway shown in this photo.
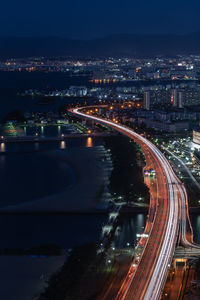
(146, 278)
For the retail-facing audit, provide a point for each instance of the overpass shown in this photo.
(168, 223)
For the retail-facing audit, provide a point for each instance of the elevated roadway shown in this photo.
(147, 276)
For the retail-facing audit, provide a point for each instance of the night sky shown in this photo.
(89, 19)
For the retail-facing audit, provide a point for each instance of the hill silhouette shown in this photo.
(133, 45)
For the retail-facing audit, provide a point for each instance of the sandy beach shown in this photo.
(91, 171)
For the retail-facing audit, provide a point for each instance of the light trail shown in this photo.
(171, 216)
(186, 235)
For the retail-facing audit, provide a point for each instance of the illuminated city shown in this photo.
(100, 150)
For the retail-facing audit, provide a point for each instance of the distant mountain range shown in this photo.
(133, 45)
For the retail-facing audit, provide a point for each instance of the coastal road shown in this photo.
(146, 279)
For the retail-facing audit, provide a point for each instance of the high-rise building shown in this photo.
(180, 99)
(174, 98)
(147, 100)
(196, 136)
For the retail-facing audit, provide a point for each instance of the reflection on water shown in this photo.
(36, 146)
(140, 220)
(3, 147)
(127, 230)
(198, 229)
(89, 142)
(42, 130)
(47, 146)
(2, 161)
(195, 220)
(62, 145)
(45, 130)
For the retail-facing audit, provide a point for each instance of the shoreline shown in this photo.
(84, 195)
